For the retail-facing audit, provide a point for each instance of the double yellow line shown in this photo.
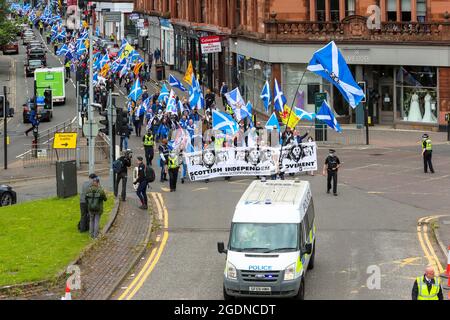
(155, 255)
(425, 243)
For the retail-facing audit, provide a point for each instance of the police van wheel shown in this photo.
(301, 291)
(311, 260)
(226, 296)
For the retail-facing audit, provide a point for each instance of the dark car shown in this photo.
(7, 196)
(31, 66)
(12, 47)
(37, 54)
(35, 44)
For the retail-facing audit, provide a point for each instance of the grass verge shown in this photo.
(40, 238)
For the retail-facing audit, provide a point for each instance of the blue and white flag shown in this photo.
(326, 115)
(81, 49)
(195, 93)
(304, 115)
(147, 102)
(329, 63)
(63, 50)
(272, 123)
(244, 112)
(172, 103)
(234, 99)
(224, 122)
(163, 94)
(104, 60)
(97, 31)
(279, 99)
(95, 78)
(175, 83)
(124, 69)
(266, 96)
(136, 91)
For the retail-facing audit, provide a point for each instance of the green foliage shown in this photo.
(8, 28)
(40, 238)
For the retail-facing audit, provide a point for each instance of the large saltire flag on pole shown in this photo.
(266, 96)
(326, 115)
(224, 122)
(172, 103)
(188, 76)
(279, 100)
(136, 91)
(288, 117)
(234, 99)
(329, 63)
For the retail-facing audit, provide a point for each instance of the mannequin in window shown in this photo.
(414, 109)
(428, 116)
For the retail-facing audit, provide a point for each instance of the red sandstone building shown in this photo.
(405, 60)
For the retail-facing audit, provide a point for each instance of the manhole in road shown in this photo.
(376, 154)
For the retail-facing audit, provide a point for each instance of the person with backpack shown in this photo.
(95, 197)
(83, 224)
(120, 168)
(142, 181)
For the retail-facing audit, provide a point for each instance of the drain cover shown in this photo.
(376, 154)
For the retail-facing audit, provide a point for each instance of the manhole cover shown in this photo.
(376, 154)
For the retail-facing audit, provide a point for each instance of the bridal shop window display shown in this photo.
(417, 94)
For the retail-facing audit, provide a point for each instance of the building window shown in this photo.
(421, 10)
(320, 5)
(237, 14)
(334, 10)
(406, 10)
(349, 8)
(417, 94)
(392, 10)
(203, 11)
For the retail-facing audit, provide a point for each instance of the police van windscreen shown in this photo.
(264, 237)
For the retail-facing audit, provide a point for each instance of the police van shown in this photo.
(272, 241)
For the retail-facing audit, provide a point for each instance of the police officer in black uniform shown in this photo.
(332, 164)
(427, 152)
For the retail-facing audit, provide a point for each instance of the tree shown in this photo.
(8, 28)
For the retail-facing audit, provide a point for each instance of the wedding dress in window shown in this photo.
(428, 116)
(414, 109)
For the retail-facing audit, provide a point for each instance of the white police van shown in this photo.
(272, 241)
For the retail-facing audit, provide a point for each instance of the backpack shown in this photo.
(117, 166)
(150, 174)
(94, 200)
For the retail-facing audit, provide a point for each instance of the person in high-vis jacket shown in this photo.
(427, 151)
(173, 163)
(149, 143)
(427, 287)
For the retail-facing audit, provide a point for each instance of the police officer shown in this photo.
(67, 67)
(173, 164)
(331, 166)
(427, 287)
(427, 152)
(149, 142)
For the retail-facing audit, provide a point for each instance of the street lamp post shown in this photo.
(91, 137)
(111, 132)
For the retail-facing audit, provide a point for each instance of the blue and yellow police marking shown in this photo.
(155, 255)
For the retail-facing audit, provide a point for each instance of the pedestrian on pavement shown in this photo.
(427, 152)
(149, 143)
(427, 287)
(174, 167)
(33, 117)
(223, 90)
(95, 197)
(332, 164)
(163, 159)
(157, 55)
(83, 224)
(210, 99)
(120, 167)
(125, 132)
(142, 181)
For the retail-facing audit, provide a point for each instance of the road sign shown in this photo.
(210, 44)
(112, 16)
(94, 131)
(65, 140)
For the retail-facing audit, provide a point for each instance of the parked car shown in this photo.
(8, 196)
(12, 47)
(34, 44)
(37, 54)
(28, 38)
(33, 65)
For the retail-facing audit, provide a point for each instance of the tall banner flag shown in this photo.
(234, 99)
(175, 83)
(279, 100)
(172, 103)
(136, 91)
(266, 96)
(224, 122)
(189, 74)
(329, 63)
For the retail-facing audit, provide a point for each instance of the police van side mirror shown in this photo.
(308, 248)
(221, 247)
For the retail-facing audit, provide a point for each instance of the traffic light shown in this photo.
(121, 120)
(48, 99)
(104, 122)
(2, 106)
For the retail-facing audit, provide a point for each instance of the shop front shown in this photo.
(167, 43)
(154, 34)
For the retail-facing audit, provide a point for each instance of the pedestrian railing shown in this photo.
(44, 154)
(46, 136)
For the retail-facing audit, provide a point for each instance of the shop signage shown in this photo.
(210, 44)
(112, 16)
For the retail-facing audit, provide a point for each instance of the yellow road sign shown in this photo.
(65, 140)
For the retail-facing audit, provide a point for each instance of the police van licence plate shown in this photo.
(260, 289)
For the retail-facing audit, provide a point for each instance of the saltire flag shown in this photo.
(235, 99)
(326, 115)
(224, 122)
(122, 47)
(134, 55)
(304, 115)
(163, 94)
(201, 100)
(63, 50)
(81, 49)
(273, 123)
(147, 102)
(244, 112)
(194, 93)
(329, 63)
(279, 100)
(181, 106)
(95, 78)
(288, 117)
(172, 103)
(120, 65)
(137, 67)
(175, 83)
(104, 60)
(97, 31)
(266, 96)
(136, 91)
(189, 74)
(125, 68)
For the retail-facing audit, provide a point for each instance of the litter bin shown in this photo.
(66, 179)
(159, 72)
